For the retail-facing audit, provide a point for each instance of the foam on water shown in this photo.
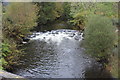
(57, 36)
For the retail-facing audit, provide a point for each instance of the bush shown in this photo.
(4, 51)
(18, 19)
(100, 36)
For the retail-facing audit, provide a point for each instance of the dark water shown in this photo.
(58, 54)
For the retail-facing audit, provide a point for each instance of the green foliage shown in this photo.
(10, 53)
(3, 62)
(4, 51)
(49, 11)
(18, 19)
(5, 48)
(79, 20)
(100, 36)
(66, 11)
(107, 9)
(80, 12)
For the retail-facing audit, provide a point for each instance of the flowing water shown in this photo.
(58, 54)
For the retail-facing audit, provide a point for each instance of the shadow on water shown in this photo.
(53, 26)
(57, 54)
(96, 71)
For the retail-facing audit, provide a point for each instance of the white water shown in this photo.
(57, 36)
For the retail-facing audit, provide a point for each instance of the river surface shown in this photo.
(58, 54)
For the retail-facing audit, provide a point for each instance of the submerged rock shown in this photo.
(25, 40)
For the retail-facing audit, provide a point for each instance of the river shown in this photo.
(58, 54)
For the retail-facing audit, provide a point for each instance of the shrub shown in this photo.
(4, 51)
(18, 19)
(100, 36)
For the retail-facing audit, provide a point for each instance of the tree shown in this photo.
(80, 12)
(49, 12)
(66, 11)
(18, 19)
(100, 36)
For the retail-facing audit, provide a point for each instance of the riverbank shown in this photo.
(4, 75)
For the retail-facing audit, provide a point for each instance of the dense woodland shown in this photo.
(98, 20)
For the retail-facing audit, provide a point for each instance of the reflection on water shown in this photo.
(57, 54)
